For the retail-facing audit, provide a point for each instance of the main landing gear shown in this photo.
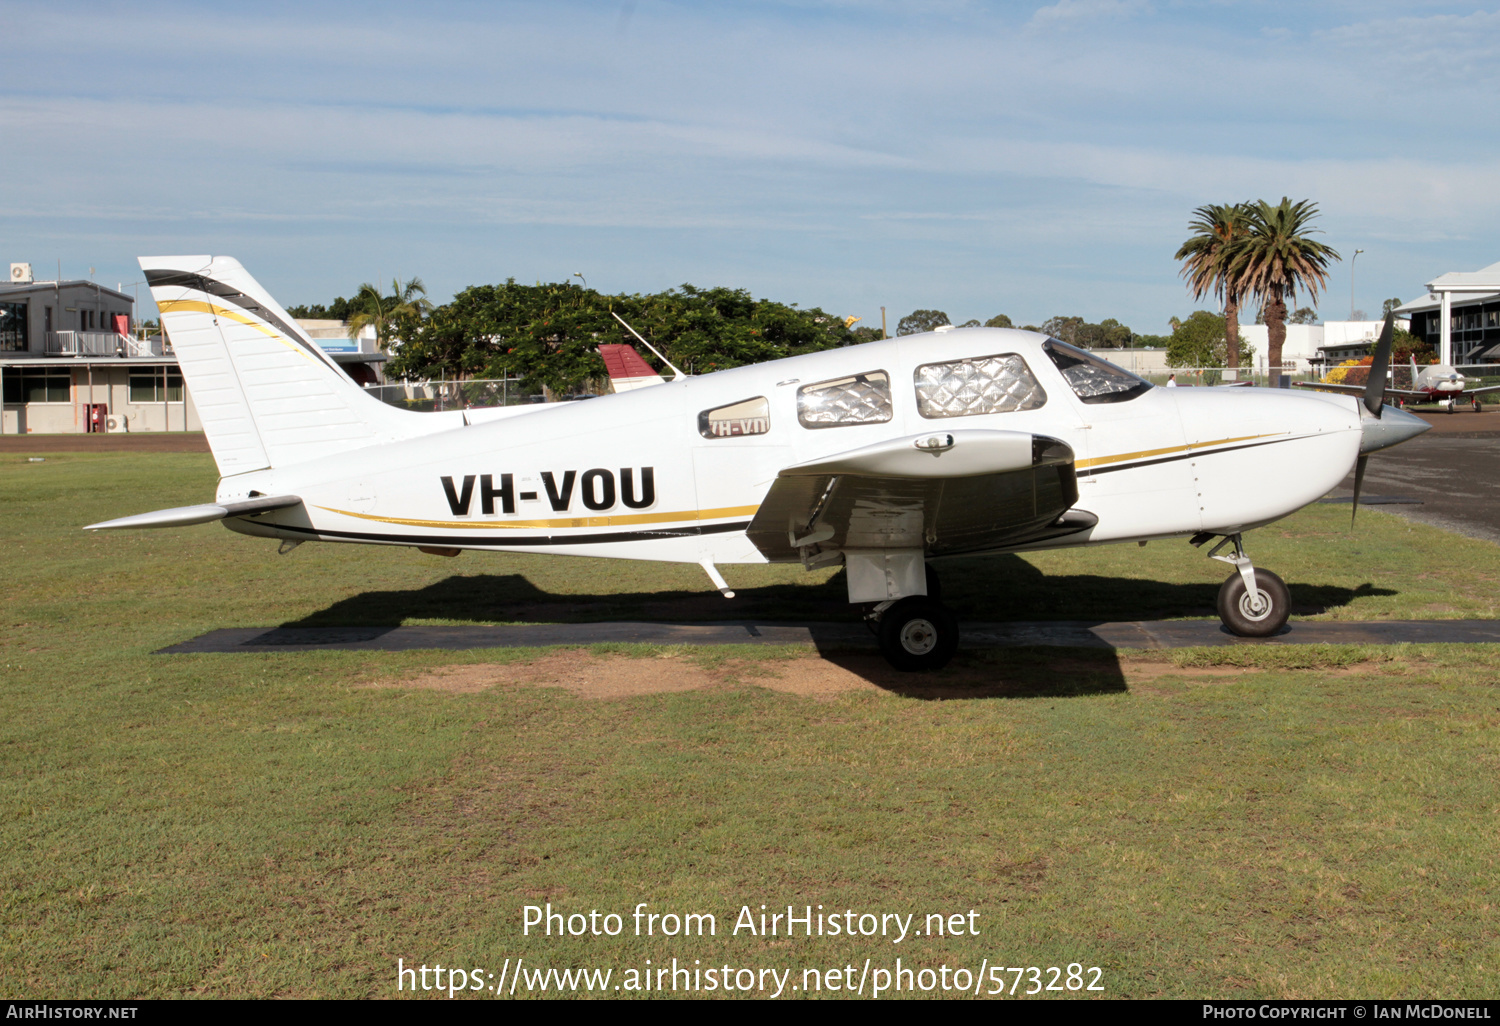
(1253, 603)
(917, 632)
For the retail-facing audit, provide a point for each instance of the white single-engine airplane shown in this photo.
(879, 457)
(1434, 383)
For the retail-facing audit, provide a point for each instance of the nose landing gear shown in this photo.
(1253, 603)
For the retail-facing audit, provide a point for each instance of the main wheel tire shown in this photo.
(1242, 616)
(918, 634)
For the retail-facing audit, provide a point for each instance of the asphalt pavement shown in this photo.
(1454, 470)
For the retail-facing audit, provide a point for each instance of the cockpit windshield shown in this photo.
(1092, 379)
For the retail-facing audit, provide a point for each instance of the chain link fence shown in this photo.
(433, 396)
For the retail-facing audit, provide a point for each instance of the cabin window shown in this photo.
(1094, 380)
(857, 399)
(750, 417)
(970, 388)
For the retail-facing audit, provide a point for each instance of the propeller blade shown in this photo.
(1380, 369)
(1359, 481)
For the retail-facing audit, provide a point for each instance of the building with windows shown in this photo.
(1473, 302)
(71, 361)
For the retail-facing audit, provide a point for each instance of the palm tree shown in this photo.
(1276, 259)
(382, 311)
(1218, 228)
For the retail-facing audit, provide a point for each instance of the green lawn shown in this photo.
(1321, 825)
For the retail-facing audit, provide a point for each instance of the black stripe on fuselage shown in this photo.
(217, 289)
(530, 540)
(1185, 456)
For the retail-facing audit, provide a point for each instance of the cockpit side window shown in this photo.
(749, 417)
(980, 385)
(1092, 379)
(857, 399)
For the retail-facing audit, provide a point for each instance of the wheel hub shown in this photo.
(918, 637)
(1256, 608)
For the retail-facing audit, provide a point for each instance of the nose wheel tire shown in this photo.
(918, 634)
(1249, 619)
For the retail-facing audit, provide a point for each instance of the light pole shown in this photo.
(580, 277)
(1355, 257)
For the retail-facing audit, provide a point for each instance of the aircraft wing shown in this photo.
(1323, 386)
(943, 493)
(1477, 391)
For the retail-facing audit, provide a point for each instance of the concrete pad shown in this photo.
(1146, 634)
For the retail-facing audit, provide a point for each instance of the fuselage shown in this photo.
(1439, 382)
(676, 471)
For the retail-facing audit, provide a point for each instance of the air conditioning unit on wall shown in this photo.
(20, 274)
(115, 422)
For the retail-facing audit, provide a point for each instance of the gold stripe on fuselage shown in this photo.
(693, 516)
(618, 520)
(1101, 461)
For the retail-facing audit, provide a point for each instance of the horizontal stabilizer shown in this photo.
(186, 516)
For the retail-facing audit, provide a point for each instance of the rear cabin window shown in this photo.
(750, 417)
(858, 399)
(1092, 379)
(983, 384)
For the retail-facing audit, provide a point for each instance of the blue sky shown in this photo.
(1025, 158)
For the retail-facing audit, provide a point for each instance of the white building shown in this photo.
(1307, 347)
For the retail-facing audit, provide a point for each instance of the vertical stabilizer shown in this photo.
(267, 395)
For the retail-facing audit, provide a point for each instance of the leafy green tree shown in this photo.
(1406, 347)
(1390, 305)
(970, 323)
(1219, 229)
(1199, 342)
(1107, 334)
(1276, 259)
(999, 321)
(919, 321)
(549, 334)
(1063, 328)
(1304, 315)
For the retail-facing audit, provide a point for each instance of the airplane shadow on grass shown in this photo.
(990, 588)
(985, 589)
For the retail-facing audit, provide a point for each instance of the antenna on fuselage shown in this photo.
(677, 373)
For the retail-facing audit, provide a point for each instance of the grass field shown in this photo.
(1288, 822)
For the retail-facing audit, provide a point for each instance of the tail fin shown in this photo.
(626, 368)
(266, 394)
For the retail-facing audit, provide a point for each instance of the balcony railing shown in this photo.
(103, 343)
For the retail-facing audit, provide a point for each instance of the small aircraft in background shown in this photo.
(1431, 384)
(880, 458)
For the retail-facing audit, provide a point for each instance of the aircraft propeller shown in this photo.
(1374, 400)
